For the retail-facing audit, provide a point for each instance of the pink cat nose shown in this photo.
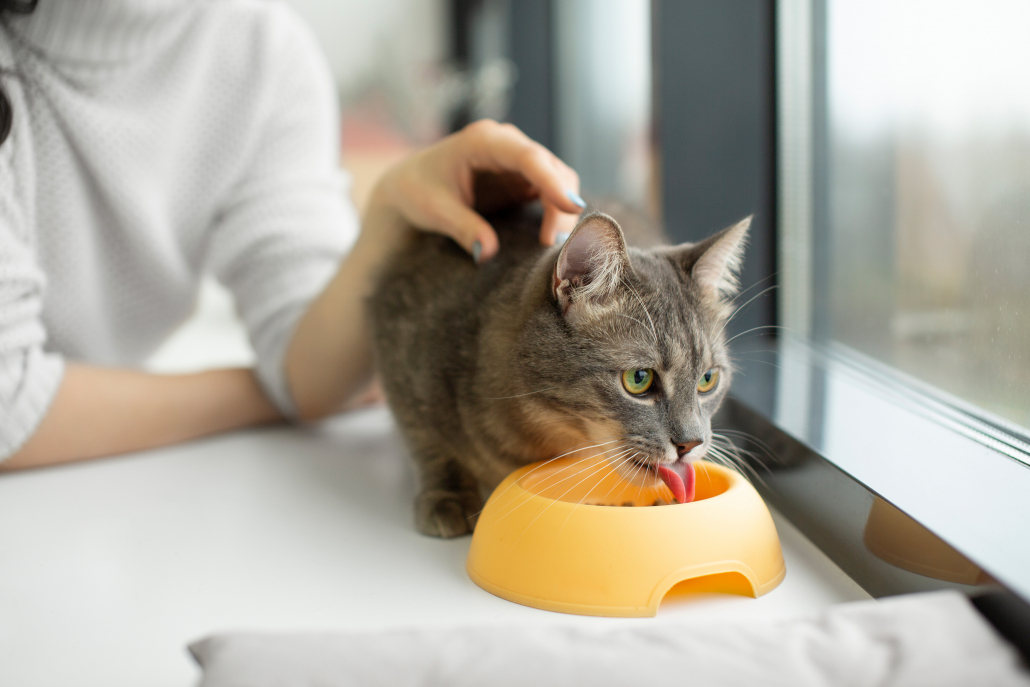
(684, 449)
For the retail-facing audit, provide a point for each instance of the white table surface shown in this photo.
(109, 568)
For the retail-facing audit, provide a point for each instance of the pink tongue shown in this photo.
(682, 487)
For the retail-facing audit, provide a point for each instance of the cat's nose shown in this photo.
(683, 449)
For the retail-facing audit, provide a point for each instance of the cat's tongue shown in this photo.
(680, 480)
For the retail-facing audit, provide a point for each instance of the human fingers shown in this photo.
(450, 216)
(503, 147)
(495, 191)
(432, 197)
(557, 183)
(555, 223)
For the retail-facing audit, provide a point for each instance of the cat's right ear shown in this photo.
(590, 265)
(714, 264)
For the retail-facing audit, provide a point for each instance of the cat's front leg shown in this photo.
(449, 502)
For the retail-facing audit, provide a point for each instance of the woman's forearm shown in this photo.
(101, 412)
(329, 359)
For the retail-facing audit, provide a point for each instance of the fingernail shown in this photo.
(477, 251)
(574, 197)
(561, 238)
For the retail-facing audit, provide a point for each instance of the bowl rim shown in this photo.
(734, 480)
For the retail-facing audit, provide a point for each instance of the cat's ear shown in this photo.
(714, 264)
(590, 265)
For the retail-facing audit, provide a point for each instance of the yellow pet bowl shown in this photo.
(549, 538)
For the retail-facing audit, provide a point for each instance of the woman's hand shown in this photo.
(436, 190)
(329, 359)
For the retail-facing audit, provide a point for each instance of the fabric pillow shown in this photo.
(934, 639)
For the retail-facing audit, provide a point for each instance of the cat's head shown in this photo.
(635, 347)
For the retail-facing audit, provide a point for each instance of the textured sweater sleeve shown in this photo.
(29, 377)
(288, 221)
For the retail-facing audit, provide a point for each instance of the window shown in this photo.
(928, 193)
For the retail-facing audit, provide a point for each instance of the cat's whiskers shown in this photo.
(740, 308)
(718, 459)
(639, 465)
(733, 460)
(545, 485)
(755, 360)
(562, 455)
(757, 283)
(529, 495)
(728, 443)
(746, 437)
(754, 329)
(630, 317)
(743, 305)
(614, 468)
(552, 502)
(641, 485)
(528, 393)
(654, 330)
(701, 465)
(745, 458)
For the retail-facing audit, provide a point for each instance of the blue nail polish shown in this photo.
(561, 238)
(477, 251)
(574, 197)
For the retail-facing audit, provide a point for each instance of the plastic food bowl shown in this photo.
(556, 536)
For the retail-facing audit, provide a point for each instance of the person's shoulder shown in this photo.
(264, 25)
(265, 42)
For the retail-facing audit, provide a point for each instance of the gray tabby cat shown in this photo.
(542, 351)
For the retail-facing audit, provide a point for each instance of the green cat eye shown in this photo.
(638, 381)
(709, 380)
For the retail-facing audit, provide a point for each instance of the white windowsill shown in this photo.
(115, 565)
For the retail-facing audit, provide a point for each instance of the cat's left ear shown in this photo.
(714, 264)
(590, 265)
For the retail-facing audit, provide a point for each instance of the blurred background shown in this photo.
(918, 119)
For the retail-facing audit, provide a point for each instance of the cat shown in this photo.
(544, 350)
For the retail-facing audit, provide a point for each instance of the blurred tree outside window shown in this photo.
(929, 192)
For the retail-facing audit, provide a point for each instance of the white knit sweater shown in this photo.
(154, 141)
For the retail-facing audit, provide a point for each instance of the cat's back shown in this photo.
(428, 305)
(433, 275)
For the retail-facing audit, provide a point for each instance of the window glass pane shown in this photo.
(929, 192)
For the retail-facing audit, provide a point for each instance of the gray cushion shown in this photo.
(928, 639)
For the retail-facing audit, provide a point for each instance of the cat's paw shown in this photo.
(447, 514)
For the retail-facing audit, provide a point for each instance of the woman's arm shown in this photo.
(100, 412)
(329, 358)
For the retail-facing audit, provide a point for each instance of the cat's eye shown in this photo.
(709, 380)
(638, 381)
